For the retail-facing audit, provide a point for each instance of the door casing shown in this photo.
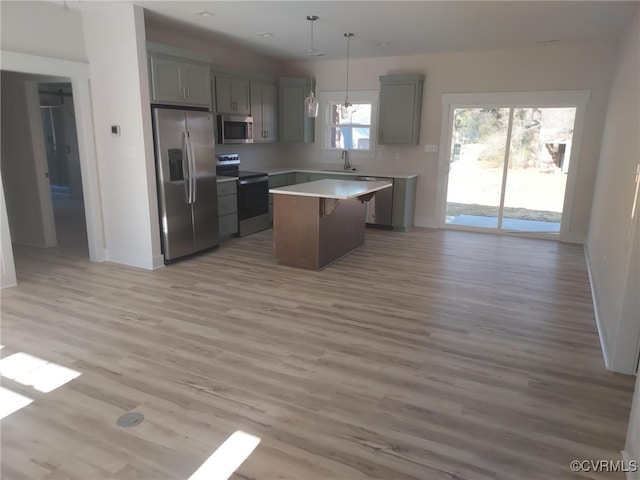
(569, 98)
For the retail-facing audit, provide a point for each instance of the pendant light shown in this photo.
(347, 103)
(311, 102)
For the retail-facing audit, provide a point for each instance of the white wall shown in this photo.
(42, 28)
(224, 57)
(19, 162)
(632, 447)
(7, 266)
(610, 245)
(44, 39)
(541, 68)
(114, 34)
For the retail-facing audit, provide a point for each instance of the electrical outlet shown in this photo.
(431, 148)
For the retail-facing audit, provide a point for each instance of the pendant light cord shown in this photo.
(311, 51)
(348, 39)
(346, 98)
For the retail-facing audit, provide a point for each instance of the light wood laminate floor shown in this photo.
(425, 355)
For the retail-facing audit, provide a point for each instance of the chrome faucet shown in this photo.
(345, 157)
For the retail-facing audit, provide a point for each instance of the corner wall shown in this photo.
(7, 265)
(19, 165)
(114, 34)
(612, 246)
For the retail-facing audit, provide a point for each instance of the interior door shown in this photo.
(172, 174)
(205, 206)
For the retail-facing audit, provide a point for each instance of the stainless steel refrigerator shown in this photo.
(186, 174)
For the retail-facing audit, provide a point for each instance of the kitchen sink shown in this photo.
(340, 171)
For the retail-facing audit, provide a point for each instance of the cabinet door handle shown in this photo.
(187, 89)
(381, 136)
(184, 92)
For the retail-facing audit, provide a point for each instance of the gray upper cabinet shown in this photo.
(232, 95)
(400, 109)
(263, 111)
(176, 81)
(293, 125)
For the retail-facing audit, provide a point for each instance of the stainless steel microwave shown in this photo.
(235, 128)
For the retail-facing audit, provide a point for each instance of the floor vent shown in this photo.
(130, 419)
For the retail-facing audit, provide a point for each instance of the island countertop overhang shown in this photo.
(335, 189)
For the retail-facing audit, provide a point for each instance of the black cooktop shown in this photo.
(229, 166)
(241, 174)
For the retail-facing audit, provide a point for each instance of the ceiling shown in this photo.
(409, 27)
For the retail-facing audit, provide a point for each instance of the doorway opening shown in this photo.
(41, 175)
(509, 165)
(63, 164)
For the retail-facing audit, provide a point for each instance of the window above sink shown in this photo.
(352, 128)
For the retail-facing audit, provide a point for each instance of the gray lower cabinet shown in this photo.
(330, 176)
(263, 110)
(404, 202)
(301, 177)
(293, 125)
(176, 81)
(227, 209)
(400, 108)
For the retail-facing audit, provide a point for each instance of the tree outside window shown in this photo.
(350, 128)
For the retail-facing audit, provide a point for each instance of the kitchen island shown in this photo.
(316, 223)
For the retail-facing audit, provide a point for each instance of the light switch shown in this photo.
(115, 130)
(431, 148)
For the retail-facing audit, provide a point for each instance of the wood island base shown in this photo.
(312, 232)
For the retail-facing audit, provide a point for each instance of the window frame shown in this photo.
(327, 99)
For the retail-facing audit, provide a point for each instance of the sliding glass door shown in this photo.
(508, 167)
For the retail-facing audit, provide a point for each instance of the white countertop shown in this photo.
(338, 189)
(364, 173)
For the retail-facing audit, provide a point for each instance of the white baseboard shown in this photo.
(158, 261)
(8, 285)
(627, 458)
(101, 256)
(125, 258)
(426, 223)
(574, 238)
(596, 309)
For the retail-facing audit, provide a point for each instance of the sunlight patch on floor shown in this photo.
(29, 370)
(11, 402)
(227, 458)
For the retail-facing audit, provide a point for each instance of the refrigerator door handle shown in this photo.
(192, 168)
(186, 167)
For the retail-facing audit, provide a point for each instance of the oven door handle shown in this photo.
(253, 180)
